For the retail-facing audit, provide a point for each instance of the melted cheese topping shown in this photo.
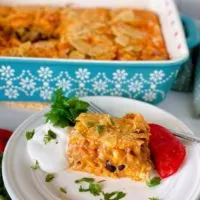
(101, 34)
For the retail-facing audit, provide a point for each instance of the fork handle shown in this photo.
(191, 138)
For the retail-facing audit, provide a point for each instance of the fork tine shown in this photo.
(93, 109)
(97, 108)
(90, 109)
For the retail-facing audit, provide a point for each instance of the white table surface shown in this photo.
(178, 104)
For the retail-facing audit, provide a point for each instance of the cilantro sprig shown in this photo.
(90, 124)
(30, 134)
(100, 128)
(85, 179)
(63, 190)
(112, 122)
(35, 166)
(114, 195)
(64, 111)
(153, 198)
(95, 189)
(49, 136)
(153, 182)
(49, 177)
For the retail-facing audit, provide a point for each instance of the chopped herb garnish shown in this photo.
(52, 134)
(153, 182)
(101, 181)
(49, 136)
(63, 190)
(30, 134)
(85, 179)
(64, 111)
(114, 195)
(36, 165)
(153, 198)
(94, 187)
(90, 124)
(100, 128)
(112, 122)
(49, 177)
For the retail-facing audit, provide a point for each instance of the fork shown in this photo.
(186, 136)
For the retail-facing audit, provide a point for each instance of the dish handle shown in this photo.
(191, 31)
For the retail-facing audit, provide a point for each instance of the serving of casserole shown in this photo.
(120, 144)
(115, 48)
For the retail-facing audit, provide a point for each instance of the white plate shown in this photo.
(23, 183)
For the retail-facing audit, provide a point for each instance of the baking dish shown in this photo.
(34, 79)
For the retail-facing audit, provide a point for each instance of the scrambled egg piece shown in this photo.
(108, 146)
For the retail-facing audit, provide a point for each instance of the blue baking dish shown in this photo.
(34, 79)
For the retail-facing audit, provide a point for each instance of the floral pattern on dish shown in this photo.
(42, 81)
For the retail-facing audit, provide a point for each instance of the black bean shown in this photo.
(121, 167)
(110, 167)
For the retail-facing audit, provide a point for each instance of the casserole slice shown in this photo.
(113, 147)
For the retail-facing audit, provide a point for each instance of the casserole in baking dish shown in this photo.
(34, 79)
(81, 33)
